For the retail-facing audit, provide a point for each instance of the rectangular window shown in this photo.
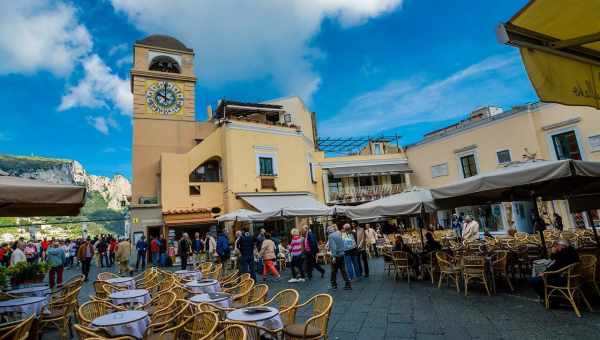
(594, 142)
(468, 165)
(194, 190)
(365, 181)
(335, 184)
(439, 170)
(503, 156)
(565, 145)
(266, 166)
(397, 179)
(377, 149)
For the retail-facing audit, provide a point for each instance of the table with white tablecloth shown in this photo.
(132, 322)
(24, 306)
(42, 290)
(131, 297)
(204, 286)
(128, 282)
(218, 299)
(194, 275)
(264, 316)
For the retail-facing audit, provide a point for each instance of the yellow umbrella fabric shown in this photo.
(560, 48)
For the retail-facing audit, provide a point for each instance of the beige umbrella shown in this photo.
(28, 197)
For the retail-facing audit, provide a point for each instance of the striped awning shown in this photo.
(370, 170)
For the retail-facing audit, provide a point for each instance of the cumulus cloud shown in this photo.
(249, 40)
(419, 99)
(102, 124)
(99, 87)
(41, 35)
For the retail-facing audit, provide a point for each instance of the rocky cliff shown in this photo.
(114, 191)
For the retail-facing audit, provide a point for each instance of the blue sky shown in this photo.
(366, 67)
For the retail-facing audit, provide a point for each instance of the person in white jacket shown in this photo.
(18, 255)
(470, 230)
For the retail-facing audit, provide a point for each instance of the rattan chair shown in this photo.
(500, 267)
(401, 261)
(93, 309)
(474, 269)
(256, 296)
(106, 276)
(198, 327)
(243, 287)
(286, 301)
(388, 262)
(18, 330)
(569, 287)
(429, 266)
(182, 292)
(59, 315)
(254, 330)
(232, 332)
(229, 276)
(162, 301)
(448, 270)
(315, 326)
(589, 264)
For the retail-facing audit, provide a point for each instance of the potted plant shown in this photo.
(25, 273)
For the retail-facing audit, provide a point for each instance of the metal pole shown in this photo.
(540, 228)
(421, 227)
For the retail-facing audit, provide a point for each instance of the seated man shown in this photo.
(562, 255)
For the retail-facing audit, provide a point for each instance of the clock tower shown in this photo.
(163, 86)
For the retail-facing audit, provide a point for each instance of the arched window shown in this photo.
(164, 63)
(209, 171)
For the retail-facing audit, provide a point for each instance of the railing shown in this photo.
(365, 193)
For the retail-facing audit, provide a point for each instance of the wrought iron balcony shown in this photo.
(364, 193)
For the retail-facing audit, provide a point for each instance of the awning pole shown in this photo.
(537, 218)
(421, 227)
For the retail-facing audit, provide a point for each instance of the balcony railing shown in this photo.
(364, 193)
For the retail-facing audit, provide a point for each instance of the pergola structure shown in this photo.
(351, 145)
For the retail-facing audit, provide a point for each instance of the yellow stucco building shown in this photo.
(252, 155)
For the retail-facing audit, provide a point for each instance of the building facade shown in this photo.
(254, 155)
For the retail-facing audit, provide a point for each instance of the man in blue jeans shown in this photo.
(246, 247)
(142, 248)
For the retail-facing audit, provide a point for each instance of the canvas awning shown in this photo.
(242, 215)
(369, 170)
(410, 202)
(560, 47)
(28, 197)
(282, 204)
(546, 179)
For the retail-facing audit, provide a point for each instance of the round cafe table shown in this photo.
(24, 306)
(204, 286)
(194, 275)
(267, 317)
(42, 290)
(128, 282)
(218, 299)
(130, 297)
(132, 322)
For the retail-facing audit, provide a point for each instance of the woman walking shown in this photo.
(296, 249)
(350, 252)
(267, 252)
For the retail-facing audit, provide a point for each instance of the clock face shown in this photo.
(164, 97)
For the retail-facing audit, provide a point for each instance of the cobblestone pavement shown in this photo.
(379, 307)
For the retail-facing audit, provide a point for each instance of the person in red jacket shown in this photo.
(154, 251)
(44, 248)
(112, 249)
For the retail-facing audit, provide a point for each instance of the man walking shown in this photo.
(311, 248)
(185, 248)
(246, 247)
(85, 253)
(122, 257)
(154, 251)
(361, 246)
(142, 248)
(371, 239)
(197, 248)
(336, 247)
(55, 256)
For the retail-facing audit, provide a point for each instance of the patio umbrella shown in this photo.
(21, 197)
(560, 47)
(523, 181)
(243, 215)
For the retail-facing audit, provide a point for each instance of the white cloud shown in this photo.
(124, 61)
(417, 99)
(248, 40)
(102, 124)
(98, 88)
(41, 35)
(113, 149)
(117, 49)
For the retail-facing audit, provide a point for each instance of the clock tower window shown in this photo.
(164, 63)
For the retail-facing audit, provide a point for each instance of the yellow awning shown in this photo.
(560, 47)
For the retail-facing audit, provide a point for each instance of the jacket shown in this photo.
(371, 236)
(123, 251)
(336, 244)
(55, 256)
(267, 250)
(210, 244)
(361, 238)
(246, 244)
(312, 242)
(223, 245)
(470, 231)
(81, 250)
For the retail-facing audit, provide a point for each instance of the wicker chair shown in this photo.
(198, 327)
(448, 270)
(160, 302)
(254, 330)
(181, 292)
(59, 316)
(588, 270)
(568, 288)
(429, 266)
(316, 326)
(500, 267)
(86, 333)
(243, 286)
(286, 301)
(401, 261)
(169, 317)
(93, 309)
(388, 262)
(256, 296)
(18, 330)
(474, 269)
(205, 267)
(233, 332)
(106, 276)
